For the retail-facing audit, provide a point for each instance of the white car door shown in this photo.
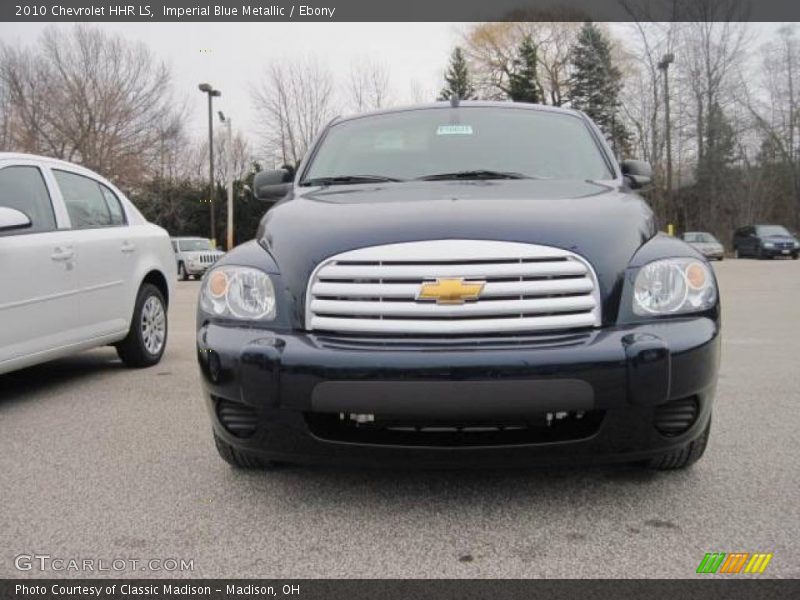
(38, 293)
(106, 250)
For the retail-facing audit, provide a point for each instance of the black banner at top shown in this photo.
(405, 10)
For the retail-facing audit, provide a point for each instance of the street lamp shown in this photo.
(666, 61)
(208, 89)
(229, 171)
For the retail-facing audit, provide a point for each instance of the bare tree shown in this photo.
(85, 96)
(776, 111)
(491, 49)
(419, 94)
(295, 100)
(367, 86)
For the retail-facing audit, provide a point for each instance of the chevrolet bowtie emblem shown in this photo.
(450, 291)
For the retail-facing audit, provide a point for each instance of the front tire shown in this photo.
(239, 459)
(182, 274)
(147, 337)
(682, 457)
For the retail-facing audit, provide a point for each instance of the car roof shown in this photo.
(463, 104)
(56, 163)
(48, 159)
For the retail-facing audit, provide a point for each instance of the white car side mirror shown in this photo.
(12, 219)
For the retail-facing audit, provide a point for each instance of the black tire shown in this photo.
(721, 258)
(683, 457)
(133, 350)
(795, 256)
(182, 274)
(239, 458)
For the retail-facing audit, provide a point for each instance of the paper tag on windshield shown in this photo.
(454, 130)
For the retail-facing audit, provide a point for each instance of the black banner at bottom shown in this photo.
(390, 589)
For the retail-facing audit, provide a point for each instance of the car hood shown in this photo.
(778, 239)
(604, 224)
(196, 253)
(705, 244)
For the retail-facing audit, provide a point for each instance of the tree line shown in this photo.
(83, 95)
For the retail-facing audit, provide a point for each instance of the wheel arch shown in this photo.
(157, 278)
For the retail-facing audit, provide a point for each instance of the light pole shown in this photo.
(229, 170)
(666, 61)
(208, 89)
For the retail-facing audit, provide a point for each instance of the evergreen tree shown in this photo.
(523, 81)
(595, 84)
(714, 165)
(457, 79)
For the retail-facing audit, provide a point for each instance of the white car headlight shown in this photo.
(769, 245)
(673, 286)
(239, 293)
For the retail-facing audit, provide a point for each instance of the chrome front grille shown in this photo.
(526, 288)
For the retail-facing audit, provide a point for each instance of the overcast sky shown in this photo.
(231, 56)
(236, 54)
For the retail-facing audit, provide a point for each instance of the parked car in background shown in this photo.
(470, 284)
(81, 267)
(193, 256)
(765, 241)
(705, 243)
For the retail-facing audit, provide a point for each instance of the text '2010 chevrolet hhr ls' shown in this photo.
(460, 284)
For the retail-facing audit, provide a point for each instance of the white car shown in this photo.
(80, 267)
(194, 256)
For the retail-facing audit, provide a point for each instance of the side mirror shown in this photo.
(12, 219)
(272, 185)
(638, 173)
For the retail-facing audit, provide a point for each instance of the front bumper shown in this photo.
(773, 252)
(585, 397)
(713, 254)
(196, 269)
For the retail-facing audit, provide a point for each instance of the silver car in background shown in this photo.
(705, 243)
(194, 256)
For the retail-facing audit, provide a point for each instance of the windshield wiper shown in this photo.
(345, 179)
(475, 174)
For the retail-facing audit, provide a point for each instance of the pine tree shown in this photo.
(523, 81)
(595, 84)
(457, 79)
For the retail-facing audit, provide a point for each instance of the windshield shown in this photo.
(458, 143)
(772, 230)
(699, 237)
(195, 245)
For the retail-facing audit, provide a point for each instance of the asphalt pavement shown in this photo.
(100, 462)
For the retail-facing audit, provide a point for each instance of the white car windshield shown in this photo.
(195, 245)
(700, 238)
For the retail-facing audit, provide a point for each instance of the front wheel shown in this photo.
(682, 457)
(182, 274)
(147, 337)
(240, 459)
(795, 256)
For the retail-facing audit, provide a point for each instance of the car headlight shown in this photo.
(797, 244)
(769, 245)
(239, 293)
(673, 286)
